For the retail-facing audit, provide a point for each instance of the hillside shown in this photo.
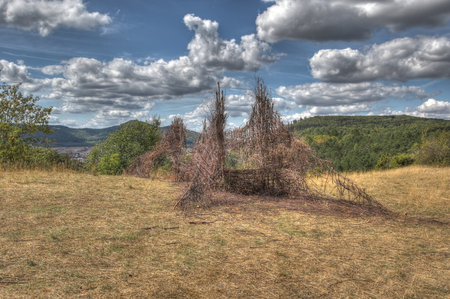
(357, 142)
(70, 137)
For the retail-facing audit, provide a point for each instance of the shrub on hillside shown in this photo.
(383, 162)
(396, 161)
(401, 160)
(109, 164)
(116, 153)
(434, 150)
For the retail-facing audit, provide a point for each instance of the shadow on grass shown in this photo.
(237, 203)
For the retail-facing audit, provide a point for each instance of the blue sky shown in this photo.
(102, 63)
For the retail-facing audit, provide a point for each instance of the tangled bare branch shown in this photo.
(172, 146)
(271, 160)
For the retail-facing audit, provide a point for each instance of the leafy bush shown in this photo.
(116, 153)
(434, 150)
(383, 162)
(401, 160)
(109, 164)
(12, 147)
(396, 161)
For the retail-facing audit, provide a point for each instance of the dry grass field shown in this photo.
(73, 235)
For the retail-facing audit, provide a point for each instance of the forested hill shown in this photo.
(68, 137)
(358, 142)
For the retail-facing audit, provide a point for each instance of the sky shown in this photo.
(102, 63)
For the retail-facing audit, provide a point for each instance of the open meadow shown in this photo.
(67, 234)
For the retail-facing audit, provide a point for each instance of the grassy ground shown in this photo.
(76, 235)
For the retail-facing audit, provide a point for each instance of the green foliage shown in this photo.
(396, 161)
(355, 143)
(19, 155)
(116, 153)
(109, 164)
(434, 150)
(12, 147)
(383, 162)
(20, 120)
(231, 160)
(21, 111)
(48, 158)
(401, 160)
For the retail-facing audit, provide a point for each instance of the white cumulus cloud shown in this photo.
(325, 20)
(241, 105)
(45, 16)
(430, 109)
(90, 85)
(13, 73)
(338, 110)
(332, 110)
(325, 94)
(401, 59)
(435, 107)
(208, 49)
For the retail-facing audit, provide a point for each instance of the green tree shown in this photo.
(20, 119)
(116, 153)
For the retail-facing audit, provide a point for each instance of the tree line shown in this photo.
(350, 143)
(360, 143)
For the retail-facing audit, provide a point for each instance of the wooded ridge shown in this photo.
(358, 142)
(70, 137)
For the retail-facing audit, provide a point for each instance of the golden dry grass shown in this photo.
(75, 235)
(418, 191)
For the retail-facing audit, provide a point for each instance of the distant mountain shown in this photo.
(70, 137)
